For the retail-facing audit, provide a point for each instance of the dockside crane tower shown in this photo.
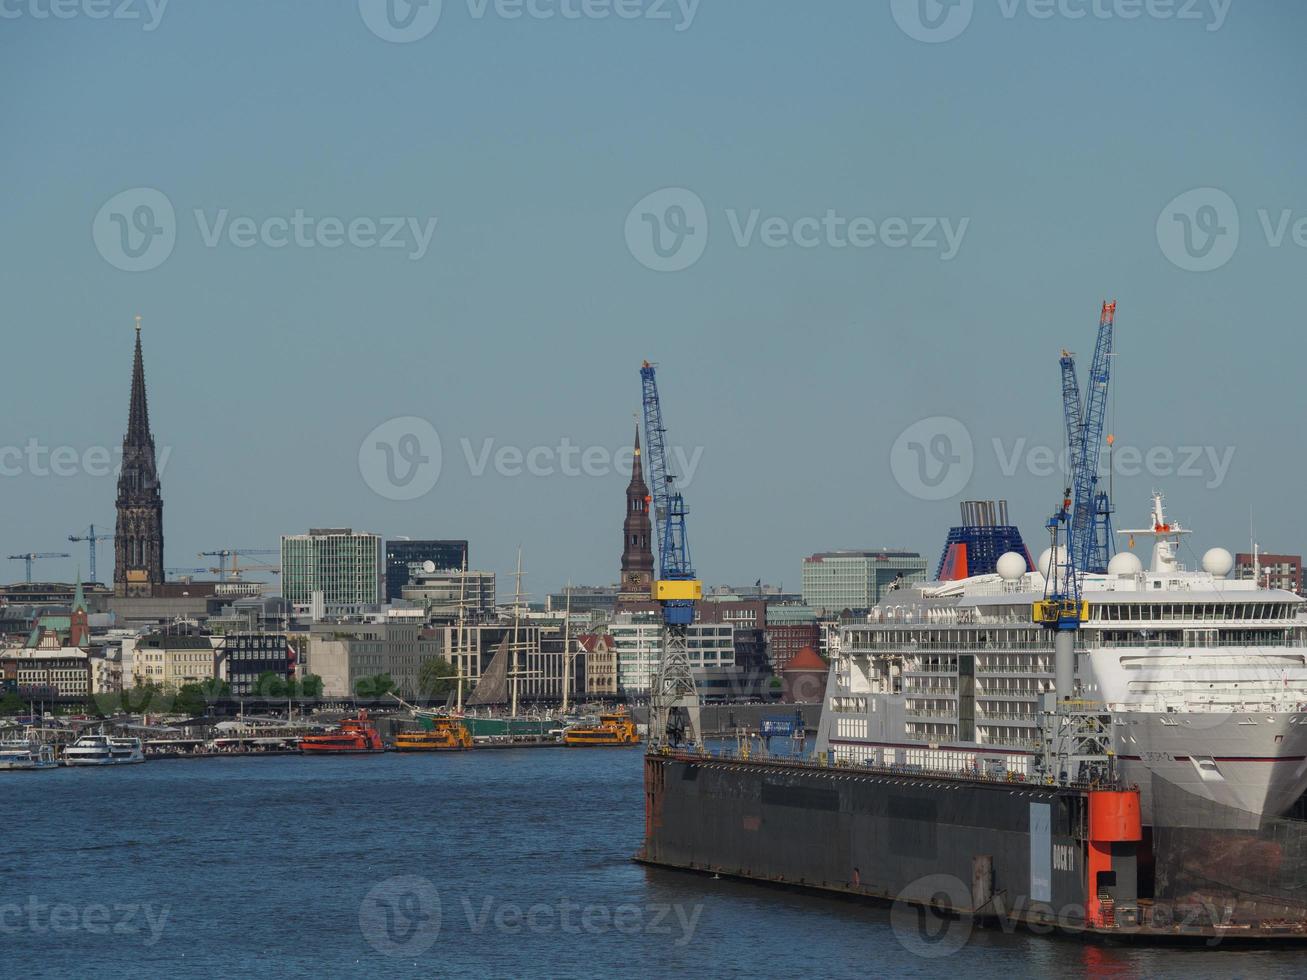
(1091, 509)
(674, 700)
(1077, 741)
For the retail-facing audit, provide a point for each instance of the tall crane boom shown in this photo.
(32, 556)
(674, 700)
(1071, 409)
(1091, 510)
(90, 537)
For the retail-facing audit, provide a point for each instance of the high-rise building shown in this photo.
(638, 641)
(443, 591)
(138, 535)
(834, 581)
(402, 553)
(1274, 571)
(332, 572)
(636, 588)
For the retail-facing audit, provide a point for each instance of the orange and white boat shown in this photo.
(613, 728)
(445, 735)
(352, 736)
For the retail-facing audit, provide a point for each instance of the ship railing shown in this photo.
(824, 761)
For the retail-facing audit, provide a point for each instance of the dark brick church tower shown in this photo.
(637, 541)
(138, 537)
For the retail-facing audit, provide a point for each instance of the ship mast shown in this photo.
(462, 635)
(517, 626)
(567, 645)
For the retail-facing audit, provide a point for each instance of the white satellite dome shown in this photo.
(1125, 563)
(1047, 558)
(1010, 566)
(1218, 562)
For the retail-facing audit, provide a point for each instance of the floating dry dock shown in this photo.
(1004, 851)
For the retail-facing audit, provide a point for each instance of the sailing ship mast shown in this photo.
(462, 635)
(567, 645)
(513, 668)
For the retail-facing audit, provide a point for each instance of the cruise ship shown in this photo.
(1201, 679)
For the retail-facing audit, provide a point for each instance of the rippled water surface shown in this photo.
(491, 863)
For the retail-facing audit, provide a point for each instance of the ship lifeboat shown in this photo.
(353, 735)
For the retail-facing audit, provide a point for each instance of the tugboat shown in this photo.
(354, 735)
(445, 735)
(614, 728)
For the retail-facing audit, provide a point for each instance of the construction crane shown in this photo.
(189, 571)
(90, 537)
(1091, 508)
(37, 556)
(1077, 734)
(674, 700)
(235, 554)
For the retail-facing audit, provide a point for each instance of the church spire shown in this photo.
(637, 539)
(138, 419)
(138, 536)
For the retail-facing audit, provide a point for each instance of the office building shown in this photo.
(835, 581)
(332, 572)
(404, 553)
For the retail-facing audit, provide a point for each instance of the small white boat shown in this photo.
(26, 754)
(104, 750)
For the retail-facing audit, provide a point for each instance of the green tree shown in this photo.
(377, 686)
(12, 704)
(190, 700)
(436, 678)
(311, 686)
(270, 684)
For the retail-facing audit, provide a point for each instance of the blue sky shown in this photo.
(1055, 144)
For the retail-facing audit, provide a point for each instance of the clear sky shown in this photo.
(1052, 146)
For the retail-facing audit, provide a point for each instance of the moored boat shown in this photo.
(26, 754)
(104, 750)
(445, 735)
(354, 735)
(613, 728)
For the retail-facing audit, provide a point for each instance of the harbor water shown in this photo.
(510, 863)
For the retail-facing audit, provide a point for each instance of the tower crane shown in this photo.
(235, 554)
(36, 556)
(674, 700)
(1090, 545)
(90, 537)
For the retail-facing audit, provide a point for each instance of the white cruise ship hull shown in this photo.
(1206, 769)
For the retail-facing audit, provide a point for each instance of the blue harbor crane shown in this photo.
(90, 537)
(1090, 546)
(32, 556)
(674, 700)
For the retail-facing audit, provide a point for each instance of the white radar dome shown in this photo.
(1010, 566)
(1047, 557)
(1218, 562)
(1125, 563)
(428, 567)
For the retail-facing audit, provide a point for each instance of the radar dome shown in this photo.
(1010, 566)
(1218, 562)
(428, 567)
(1125, 563)
(1047, 557)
